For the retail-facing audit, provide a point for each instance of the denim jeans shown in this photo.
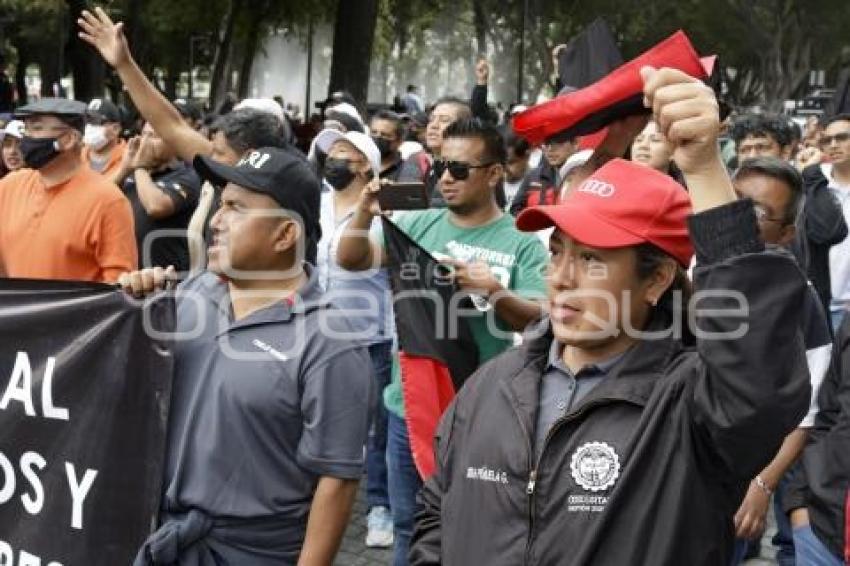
(783, 540)
(811, 551)
(836, 318)
(376, 448)
(404, 483)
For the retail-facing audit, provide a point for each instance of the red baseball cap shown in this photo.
(621, 204)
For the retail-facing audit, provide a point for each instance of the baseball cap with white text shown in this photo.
(622, 204)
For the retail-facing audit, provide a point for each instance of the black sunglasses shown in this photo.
(457, 169)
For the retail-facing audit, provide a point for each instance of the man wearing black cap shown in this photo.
(58, 218)
(270, 406)
(104, 149)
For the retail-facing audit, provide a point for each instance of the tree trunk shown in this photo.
(87, 68)
(48, 64)
(249, 52)
(354, 32)
(21, 76)
(480, 19)
(218, 88)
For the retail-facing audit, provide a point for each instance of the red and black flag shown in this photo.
(617, 95)
(436, 349)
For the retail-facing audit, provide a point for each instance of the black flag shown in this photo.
(589, 56)
(83, 413)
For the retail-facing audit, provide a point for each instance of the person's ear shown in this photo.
(286, 235)
(71, 139)
(115, 128)
(496, 175)
(789, 231)
(366, 171)
(660, 280)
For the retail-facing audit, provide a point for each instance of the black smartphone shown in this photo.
(403, 196)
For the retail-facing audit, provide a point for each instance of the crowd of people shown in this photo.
(590, 434)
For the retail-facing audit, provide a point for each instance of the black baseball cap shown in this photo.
(276, 172)
(71, 112)
(103, 110)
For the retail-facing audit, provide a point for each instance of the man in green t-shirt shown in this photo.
(501, 268)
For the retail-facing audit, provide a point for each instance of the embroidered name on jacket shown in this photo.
(486, 474)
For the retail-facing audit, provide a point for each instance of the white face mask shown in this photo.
(95, 137)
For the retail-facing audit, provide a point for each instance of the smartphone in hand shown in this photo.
(403, 196)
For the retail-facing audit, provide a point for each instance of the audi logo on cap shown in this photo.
(598, 188)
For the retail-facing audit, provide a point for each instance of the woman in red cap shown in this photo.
(627, 427)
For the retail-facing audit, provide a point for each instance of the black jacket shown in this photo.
(822, 226)
(540, 186)
(650, 467)
(822, 480)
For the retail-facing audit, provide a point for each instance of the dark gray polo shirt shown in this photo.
(560, 390)
(262, 407)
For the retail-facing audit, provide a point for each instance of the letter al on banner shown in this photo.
(83, 488)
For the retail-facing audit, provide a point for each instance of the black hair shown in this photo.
(464, 110)
(391, 116)
(782, 172)
(667, 309)
(842, 117)
(520, 145)
(411, 88)
(247, 129)
(762, 125)
(796, 130)
(494, 145)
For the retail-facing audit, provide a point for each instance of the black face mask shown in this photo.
(337, 173)
(38, 152)
(383, 146)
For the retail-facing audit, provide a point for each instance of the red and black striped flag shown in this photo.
(436, 349)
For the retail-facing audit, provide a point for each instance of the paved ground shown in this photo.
(355, 553)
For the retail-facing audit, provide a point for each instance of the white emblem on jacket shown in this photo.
(595, 466)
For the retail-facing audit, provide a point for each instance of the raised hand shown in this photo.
(687, 112)
(99, 31)
(482, 72)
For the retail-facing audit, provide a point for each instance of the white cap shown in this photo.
(577, 159)
(14, 128)
(348, 109)
(262, 105)
(362, 142)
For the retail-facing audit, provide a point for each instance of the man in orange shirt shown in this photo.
(104, 149)
(58, 218)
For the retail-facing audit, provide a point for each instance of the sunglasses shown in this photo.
(457, 169)
(837, 138)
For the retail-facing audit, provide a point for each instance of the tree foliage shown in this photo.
(767, 46)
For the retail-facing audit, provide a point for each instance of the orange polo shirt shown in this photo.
(115, 157)
(81, 229)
